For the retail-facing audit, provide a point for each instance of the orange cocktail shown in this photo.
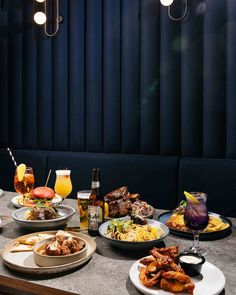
(24, 182)
(63, 185)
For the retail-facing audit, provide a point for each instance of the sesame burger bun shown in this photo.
(42, 192)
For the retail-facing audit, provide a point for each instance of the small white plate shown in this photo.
(212, 281)
(55, 201)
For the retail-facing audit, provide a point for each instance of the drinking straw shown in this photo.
(12, 157)
(49, 174)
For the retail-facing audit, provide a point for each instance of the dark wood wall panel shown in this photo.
(120, 77)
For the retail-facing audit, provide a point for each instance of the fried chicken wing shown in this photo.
(178, 276)
(149, 280)
(162, 259)
(147, 260)
(176, 287)
(176, 267)
(172, 251)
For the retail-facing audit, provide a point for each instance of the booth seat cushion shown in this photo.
(36, 159)
(154, 177)
(215, 177)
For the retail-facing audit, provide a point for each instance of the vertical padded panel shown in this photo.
(94, 111)
(170, 84)
(29, 80)
(130, 75)
(150, 77)
(15, 77)
(231, 79)
(3, 82)
(157, 184)
(192, 82)
(111, 76)
(214, 88)
(76, 75)
(215, 177)
(60, 83)
(44, 66)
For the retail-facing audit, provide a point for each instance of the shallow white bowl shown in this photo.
(65, 212)
(47, 260)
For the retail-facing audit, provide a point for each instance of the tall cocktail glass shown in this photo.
(196, 218)
(25, 185)
(63, 185)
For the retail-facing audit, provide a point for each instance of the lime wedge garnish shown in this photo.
(21, 171)
(191, 197)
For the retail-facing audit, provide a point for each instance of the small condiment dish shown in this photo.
(47, 260)
(191, 263)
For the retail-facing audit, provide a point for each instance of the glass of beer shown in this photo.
(83, 197)
(63, 185)
(25, 185)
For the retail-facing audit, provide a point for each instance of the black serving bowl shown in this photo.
(190, 267)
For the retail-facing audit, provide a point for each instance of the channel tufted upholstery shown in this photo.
(122, 78)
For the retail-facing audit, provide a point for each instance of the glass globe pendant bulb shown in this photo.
(40, 18)
(166, 2)
(40, 0)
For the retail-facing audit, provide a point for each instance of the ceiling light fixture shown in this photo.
(169, 2)
(41, 18)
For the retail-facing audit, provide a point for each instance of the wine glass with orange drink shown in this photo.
(24, 180)
(63, 185)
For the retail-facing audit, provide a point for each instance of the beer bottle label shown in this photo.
(95, 184)
(94, 217)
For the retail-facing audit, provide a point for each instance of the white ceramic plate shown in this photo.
(212, 281)
(24, 261)
(126, 245)
(65, 212)
(15, 200)
(1, 192)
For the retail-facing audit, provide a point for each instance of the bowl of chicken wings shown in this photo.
(162, 270)
(61, 249)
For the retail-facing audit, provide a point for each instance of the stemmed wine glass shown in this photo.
(196, 218)
(24, 183)
(63, 185)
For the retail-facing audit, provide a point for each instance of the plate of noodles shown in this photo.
(218, 226)
(126, 234)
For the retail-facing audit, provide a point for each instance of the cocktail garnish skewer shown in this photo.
(49, 174)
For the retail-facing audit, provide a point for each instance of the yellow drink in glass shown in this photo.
(63, 185)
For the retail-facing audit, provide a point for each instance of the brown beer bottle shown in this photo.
(95, 204)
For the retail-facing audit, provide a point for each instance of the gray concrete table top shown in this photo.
(107, 273)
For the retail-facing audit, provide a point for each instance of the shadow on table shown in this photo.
(109, 251)
(40, 277)
(131, 288)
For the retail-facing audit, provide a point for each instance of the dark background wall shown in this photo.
(120, 77)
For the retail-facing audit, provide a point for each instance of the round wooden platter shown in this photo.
(24, 261)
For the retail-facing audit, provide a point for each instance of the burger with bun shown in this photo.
(40, 196)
